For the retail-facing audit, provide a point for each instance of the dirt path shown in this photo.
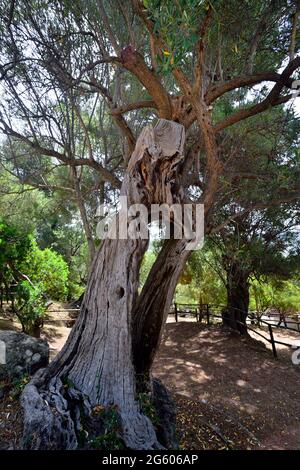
(238, 378)
(230, 392)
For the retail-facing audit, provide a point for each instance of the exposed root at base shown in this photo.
(58, 416)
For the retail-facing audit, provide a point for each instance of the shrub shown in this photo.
(30, 307)
(49, 270)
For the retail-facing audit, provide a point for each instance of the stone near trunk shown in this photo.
(21, 354)
(166, 430)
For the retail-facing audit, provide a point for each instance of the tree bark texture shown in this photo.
(97, 359)
(153, 306)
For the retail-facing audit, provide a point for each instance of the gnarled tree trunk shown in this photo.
(95, 367)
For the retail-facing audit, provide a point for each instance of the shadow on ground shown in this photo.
(238, 377)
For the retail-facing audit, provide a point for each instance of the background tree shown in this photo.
(274, 292)
(251, 247)
(14, 247)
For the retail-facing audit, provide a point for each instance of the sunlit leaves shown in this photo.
(179, 24)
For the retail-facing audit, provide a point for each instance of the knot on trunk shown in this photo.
(129, 55)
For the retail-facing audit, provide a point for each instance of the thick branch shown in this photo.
(273, 98)
(217, 90)
(135, 63)
(245, 113)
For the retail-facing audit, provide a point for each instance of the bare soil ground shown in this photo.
(230, 392)
(10, 424)
(229, 389)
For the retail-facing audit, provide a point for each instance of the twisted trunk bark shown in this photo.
(153, 305)
(95, 367)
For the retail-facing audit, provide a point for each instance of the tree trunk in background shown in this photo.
(35, 329)
(95, 367)
(237, 287)
(84, 217)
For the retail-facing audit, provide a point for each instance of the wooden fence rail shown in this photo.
(214, 311)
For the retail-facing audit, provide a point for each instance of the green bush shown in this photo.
(48, 269)
(270, 292)
(17, 387)
(30, 307)
(110, 439)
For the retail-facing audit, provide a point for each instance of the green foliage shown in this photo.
(110, 439)
(40, 275)
(270, 292)
(20, 206)
(147, 263)
(107, 441)
(48, 270)
(45, 268)
(230, 32)
(17, 386)
(30, 306)
(148, 408)
(50, 217)
(14, 245)
(200, 281)
(178, 23)
(68, 383)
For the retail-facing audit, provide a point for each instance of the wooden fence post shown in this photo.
(272, 340)
(175, 311)
(207, 314)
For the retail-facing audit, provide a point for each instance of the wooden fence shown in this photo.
(213, 312)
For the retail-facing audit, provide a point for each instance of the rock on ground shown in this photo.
(21, 354)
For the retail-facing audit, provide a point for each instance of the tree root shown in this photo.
(59, 417)
(51, 419)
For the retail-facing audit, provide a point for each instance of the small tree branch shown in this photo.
(256, 206)
(133, 106)
(82, 209)
(19, 274)
(107, 176)
(106, 23)
(261, 28)
(119, 120)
